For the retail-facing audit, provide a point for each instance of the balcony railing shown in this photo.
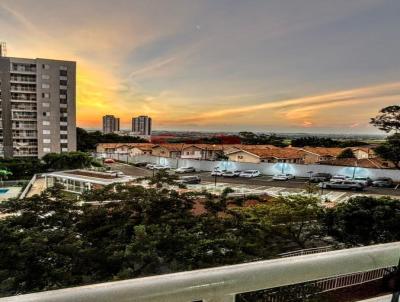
(222, 284)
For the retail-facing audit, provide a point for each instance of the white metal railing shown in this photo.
(221, 284)
(379, 299)
(313, 250)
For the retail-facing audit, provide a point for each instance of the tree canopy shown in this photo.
(87, 141)
(125, 232)
(346, 153)
(250, 138)
(388, 120)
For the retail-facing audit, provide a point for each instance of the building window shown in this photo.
(64, 149)
(63, 73)
(240, 156)
(46, 105)
(46, 123)
(45, 86)
(63, 67)
(45, 77)
(46, 131)
(46, 113)
(46, 141)
(45, 95)
(46, 150)
(46, 66)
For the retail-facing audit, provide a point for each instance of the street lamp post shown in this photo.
(309, 177)
(354, 170)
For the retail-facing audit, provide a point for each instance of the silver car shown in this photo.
(343, 185)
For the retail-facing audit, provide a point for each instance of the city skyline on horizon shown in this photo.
(227, 66)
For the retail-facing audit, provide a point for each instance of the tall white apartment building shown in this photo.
(38, 111)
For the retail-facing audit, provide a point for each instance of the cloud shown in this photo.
(304, 107)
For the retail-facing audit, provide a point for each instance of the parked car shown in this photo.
(319, 177)
(185, 170)
(366, 181)
(150, 166)
(284, 176)
(109, 161)
(193, 179)
(250, 173)
(383, 182)
(217, 172)
(142, 164)
(339, 178)
(235, 173)
(161, 167)
(343, 184)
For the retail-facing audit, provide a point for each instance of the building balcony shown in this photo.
(22, 89)
(222, 284)
(22, 80)
(18, 108)
(22, 69)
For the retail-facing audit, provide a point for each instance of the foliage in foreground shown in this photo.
(53, 242)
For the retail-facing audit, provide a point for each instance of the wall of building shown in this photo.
(243, 157)
(7, 144)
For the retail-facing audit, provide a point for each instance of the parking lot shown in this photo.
(259, 185)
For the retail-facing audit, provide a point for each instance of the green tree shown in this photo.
(68, 160)
(87, 141)
(388, 120)
(365, 220)
(346, 153)
(39, 247)
(21, 168)
(390, 150)
(250, 138)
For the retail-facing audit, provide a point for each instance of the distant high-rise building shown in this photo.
(110, 124)
(3, 49)
(37, 106)
(141, 125)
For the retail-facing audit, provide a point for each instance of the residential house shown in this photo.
(268, 155)
(141, 149)
(202, 151)
(314, 155)
(363, 152)
(168, 150)
(133, 149)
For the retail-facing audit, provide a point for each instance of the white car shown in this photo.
(283, 176)
(161, 167)
(249, 173)
(185, 170)
(150, 166)
(217, 172)
(235, 173)
(339, 178)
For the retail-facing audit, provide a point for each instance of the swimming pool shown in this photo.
(4, 191)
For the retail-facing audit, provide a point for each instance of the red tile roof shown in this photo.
(279, 153)
(372, 163)
(322, 151)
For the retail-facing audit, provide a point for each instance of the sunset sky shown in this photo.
(262, 65)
